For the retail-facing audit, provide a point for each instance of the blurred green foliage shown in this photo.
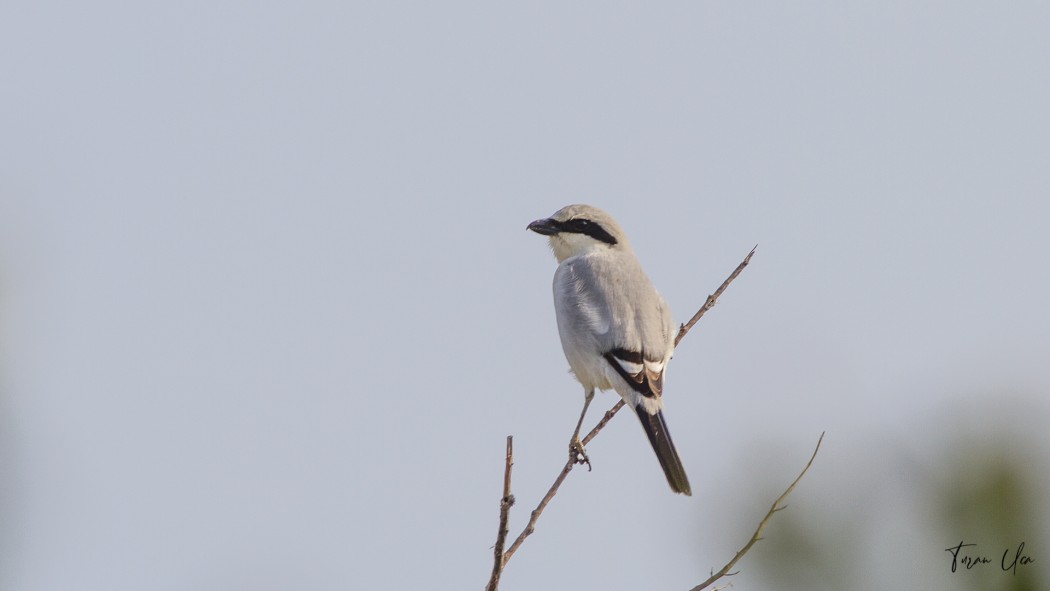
(893, 529)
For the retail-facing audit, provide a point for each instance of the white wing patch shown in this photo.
(629, 367)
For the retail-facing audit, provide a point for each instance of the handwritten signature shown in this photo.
(967, 561)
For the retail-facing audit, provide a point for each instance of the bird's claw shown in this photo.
(577, 454)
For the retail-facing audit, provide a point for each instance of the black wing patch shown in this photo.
(639, 375)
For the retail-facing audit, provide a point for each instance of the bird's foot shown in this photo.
(577, 454)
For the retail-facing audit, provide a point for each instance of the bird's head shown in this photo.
(578, 229)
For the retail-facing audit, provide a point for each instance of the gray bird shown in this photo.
(616, 330)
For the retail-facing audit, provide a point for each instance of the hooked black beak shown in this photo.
(546, 227)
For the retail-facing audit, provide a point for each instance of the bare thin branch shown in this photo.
(507, 470)
(553, 490)
(569, 465)
(777, 506)
(713, 298)
(609, 414)
(504, 514)
(531, 527)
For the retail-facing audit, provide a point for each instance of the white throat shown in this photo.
(568, 245)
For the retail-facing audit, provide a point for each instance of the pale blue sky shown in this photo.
(269, 306)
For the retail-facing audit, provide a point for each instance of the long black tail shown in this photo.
(656, 428)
